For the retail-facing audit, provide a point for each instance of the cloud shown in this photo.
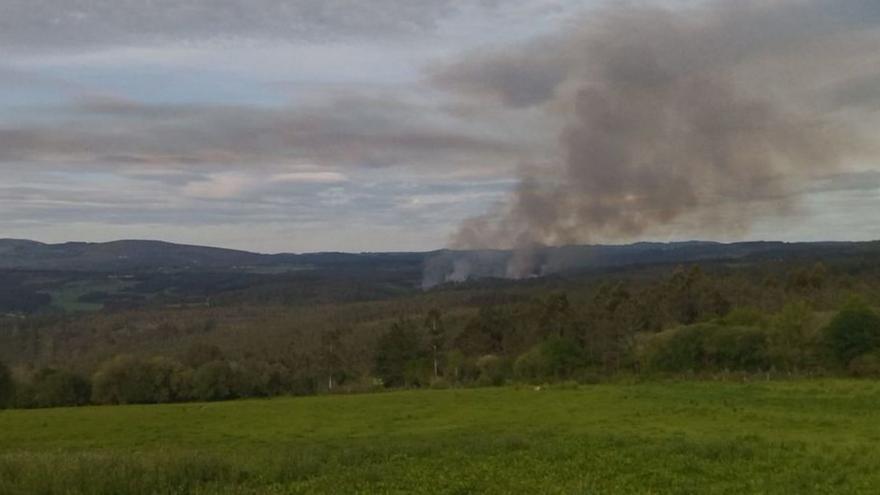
(315, 177)
(866, 180)
(219, 187)
(33, 25)
(228, 186)
(346, 130)
(296, 209)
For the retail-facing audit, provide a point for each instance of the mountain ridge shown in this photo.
(148, 254)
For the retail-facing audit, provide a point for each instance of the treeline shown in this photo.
(796, 340)
(791, 341)
(688, 322)
(204, 374)
(409, 354)
(744, 340)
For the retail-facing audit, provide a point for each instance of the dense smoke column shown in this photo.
(711, 114)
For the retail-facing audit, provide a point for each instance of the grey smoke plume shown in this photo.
(706, 115)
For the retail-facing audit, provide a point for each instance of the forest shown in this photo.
(736, 320)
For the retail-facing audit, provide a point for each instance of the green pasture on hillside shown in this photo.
(820, 436)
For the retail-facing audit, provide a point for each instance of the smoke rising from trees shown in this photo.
(700, 116)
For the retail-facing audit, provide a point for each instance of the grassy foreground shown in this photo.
(682, 437)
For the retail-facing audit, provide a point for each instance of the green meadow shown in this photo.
(816, 436)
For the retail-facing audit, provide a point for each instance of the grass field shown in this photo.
(666, 437)
(67, 297)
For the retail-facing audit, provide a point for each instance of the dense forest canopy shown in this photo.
(763, 315)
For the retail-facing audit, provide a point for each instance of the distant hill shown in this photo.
(442, 265)
(113, 256)
(79, 276)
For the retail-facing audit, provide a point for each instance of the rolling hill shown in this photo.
(87, 276)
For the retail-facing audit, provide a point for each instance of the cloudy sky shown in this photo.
(363, 125)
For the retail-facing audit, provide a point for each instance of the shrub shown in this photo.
(53, 388)
(214, 381)
(458, 367)
(7, 387)
(172, 382)
(680, 349)
(439, 383)
(493, 370)
(736, 348)
(745, 317)
(262, 379)
(556, 358)
(588, 378)
(132, 380)
(220, 380)
(853, 332)
(123, 380)
(790, 337)
(563, 357)
(531, 366)
(706, 347)
(866, 365)
(418, 372)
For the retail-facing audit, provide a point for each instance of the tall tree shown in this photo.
(485, 333)
(396, 350)
(556, 316)
(331, 355)
(436, 337)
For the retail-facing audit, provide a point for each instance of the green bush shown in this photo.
(745, 317)
(866, 365)
(457, 366)
(493, 370)
(52, 388)
(853, 332)
(791, 337)
(214, 380)
(556, 358)
(564, 357)
(123, 380)
(7, 387)
(531, 366)
(681, 349)
(706, 347)
(440, 383)
(736, 348)
(171, 381)
(132, 380)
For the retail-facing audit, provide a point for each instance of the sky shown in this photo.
(392, 125)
